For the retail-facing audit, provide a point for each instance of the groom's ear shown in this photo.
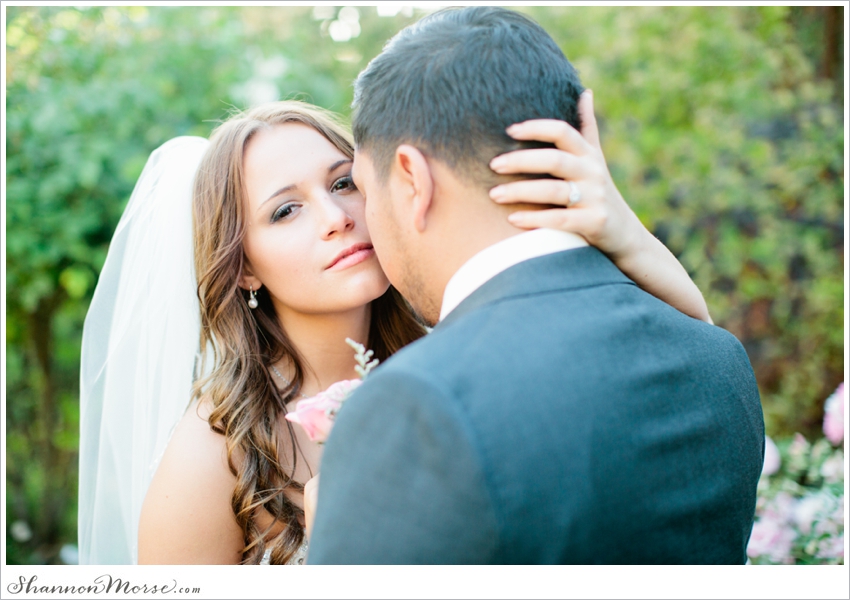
(415, 179)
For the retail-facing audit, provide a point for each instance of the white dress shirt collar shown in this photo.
(499, 257)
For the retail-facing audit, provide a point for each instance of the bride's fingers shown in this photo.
(589, 129)
(582, 222)
(541, 160)
(560, 133)
(538, 191)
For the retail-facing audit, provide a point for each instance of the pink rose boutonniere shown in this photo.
(317, 414)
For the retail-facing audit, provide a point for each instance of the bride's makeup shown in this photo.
(306, 238)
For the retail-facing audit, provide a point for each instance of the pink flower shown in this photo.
(340, 391)
(316, 415)
(816, 514)
(805, 513)
(779, 508)
(771, 538)
(831, 547)
(772, 460)
(832, 469)
(799, 447)
(833, 419)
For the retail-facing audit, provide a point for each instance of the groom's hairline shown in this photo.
(469, 161)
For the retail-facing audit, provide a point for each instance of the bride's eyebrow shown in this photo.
(338, 164)
(282, 190)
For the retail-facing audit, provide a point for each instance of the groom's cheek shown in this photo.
(380, 235)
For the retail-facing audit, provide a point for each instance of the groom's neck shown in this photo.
(465, 222)
(462, 220)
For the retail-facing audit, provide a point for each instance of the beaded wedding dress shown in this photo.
(297, 559)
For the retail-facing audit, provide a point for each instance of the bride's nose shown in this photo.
(334, 218)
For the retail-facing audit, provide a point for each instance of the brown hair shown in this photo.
(243, 343)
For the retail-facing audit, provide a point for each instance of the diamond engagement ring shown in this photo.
(575, 194)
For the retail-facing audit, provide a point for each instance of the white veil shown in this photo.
(140, 341)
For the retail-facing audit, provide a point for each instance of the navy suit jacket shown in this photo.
(558, 415)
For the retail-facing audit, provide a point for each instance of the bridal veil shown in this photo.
(140, 342)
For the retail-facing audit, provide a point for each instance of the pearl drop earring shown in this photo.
(252, 301)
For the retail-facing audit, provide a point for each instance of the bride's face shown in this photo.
(306, 239)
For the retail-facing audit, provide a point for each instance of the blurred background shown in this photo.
(723, 127)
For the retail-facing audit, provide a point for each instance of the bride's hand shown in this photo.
(311, 497)
(597, 210)
(593, 206)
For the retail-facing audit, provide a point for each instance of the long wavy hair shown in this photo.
(242, 344)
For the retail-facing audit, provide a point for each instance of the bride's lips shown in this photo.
(351, 256)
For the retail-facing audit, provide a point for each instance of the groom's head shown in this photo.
(430, 113)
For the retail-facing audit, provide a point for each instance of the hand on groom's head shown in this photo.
(578, 194)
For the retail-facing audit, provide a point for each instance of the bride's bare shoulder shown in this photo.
(196, 448)
(186, 516)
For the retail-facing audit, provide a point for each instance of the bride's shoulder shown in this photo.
(189, 498)
(196, 447)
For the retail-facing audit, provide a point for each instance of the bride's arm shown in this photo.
(601, 215)
(186, 516)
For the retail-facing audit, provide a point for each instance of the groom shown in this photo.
(557, 413)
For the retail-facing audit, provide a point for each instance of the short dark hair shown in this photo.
(452, 82)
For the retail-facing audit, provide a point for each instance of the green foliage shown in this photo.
(715, 123)
(730, 149)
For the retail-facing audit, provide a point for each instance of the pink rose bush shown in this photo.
(773, 540)
(317, 414)
(800, 505)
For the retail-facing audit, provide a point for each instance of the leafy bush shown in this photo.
(90, 94)
(729, 146)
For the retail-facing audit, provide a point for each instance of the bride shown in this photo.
(238, 269)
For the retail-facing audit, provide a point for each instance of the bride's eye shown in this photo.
(283, 212)
(344, 184)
